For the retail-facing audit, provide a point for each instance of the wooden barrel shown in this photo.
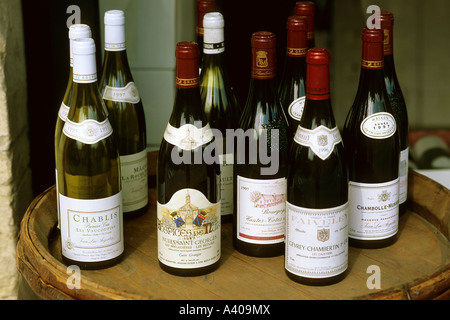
(417, 266)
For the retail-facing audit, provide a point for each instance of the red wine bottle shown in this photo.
(317, 201)
(308, 9)
(292, 88)
(260, 164)
(398, 104)
(372, 149)
(188, 185)
(221, 105)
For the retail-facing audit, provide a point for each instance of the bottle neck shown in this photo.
(115, 38)
(263, 64)
(84, 69)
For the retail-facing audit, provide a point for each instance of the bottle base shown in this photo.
(317, 282)
(372, 244)
(93, 265)
(189, 272)
(257, 250)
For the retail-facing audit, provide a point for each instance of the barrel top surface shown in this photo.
(417, 266)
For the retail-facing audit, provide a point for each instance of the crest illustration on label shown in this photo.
(296, 108)
(128, 94)
(380, 125)
(188, 137)
(188, 230)
(321, 140)
(89, 131)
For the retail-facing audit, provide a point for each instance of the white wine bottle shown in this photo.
(220, 103)
(126, 114)
(76, 31)
(89, 172)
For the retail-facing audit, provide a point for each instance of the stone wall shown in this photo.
(15, 174)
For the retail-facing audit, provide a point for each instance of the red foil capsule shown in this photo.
(264, 55)
(307, 8)
(187, 65)
(318, 74)
(387, 24)
(372, 52)
(297, 41)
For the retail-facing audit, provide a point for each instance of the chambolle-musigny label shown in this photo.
(91, 230)
(373, 210)
(316, 241)
(188, 230)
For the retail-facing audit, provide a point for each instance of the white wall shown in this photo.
(153, 28)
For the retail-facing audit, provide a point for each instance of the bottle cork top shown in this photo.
(77, 31)
(213, 20)
(84, 46)
(264, 40)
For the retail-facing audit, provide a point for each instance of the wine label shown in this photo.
(63, 112)
(403, 189)
(226, 183)
(188, 137)
(380, 125)
(321, 140)
(188, 230)
(295, 109)
(134, 181)
(84, 78)
(316, 241)
(127, 94)
(261, 210)
(91, 230)
(373, 210)
(89, 131)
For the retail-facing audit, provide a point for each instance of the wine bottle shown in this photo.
(188, 179)
(317, 192)
(203, 7)
(126, 114)
(308, 9)
(220, 104)
(431, 152)
(76, 31)
(292, 87)
(89, 172)
(398, 104)
(372, 142)
(260, 164)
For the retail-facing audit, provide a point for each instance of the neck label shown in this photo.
(127, 94)
(188, 137)
(321, 140)
(380, 125)
(89, 131)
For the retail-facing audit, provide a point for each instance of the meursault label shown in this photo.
(188, 230)
(380, 125)
(321, 140)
